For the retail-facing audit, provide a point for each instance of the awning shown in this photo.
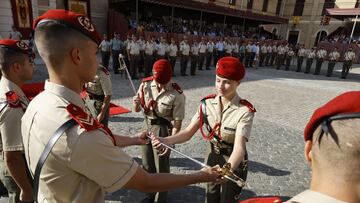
(343, 13)
(213, 8)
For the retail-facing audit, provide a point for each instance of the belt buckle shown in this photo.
(217, 148)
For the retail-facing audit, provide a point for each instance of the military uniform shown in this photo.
(320, 56)
(149, 57)
(117, 47)
(141, 43)
(173, 49)
(161, 108)
(209, 54)
(85, 162)
(194, 58)
(13, 104)
(235, 50)
(268, 55)
(161, 51)
(202, 52)
(309, 60)
(234, 119)
(349, 58)
(263, 54)
(228, 48)
(248, 55)
(300, 59)
(185, 50)
(309, 196)
(134, 55)
(333, 58)
(280, 56)
(98, 89)
(273, 55)
(289, 57)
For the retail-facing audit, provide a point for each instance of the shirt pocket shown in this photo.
(165, 107)
(228, 134)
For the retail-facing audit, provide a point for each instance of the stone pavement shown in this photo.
(284, 101)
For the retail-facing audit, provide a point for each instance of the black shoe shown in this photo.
(147, 200)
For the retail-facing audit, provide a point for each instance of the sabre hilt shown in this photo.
(122, 62)
(226, 172)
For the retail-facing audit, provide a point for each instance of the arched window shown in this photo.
(322, 34)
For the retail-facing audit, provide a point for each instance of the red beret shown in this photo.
(262, 200)
(346, 103)
(76, 21)
(15, 45)
(230, 68)
(162, 71)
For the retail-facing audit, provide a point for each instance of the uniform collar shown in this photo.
(308, 195)
(233, 104)
(65, 93)
(155, 89)
(8, 85)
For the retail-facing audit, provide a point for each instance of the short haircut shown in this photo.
(54, 40)
(339, 152)
(8, 57)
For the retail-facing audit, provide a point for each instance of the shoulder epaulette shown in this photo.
(177, 87)
(86, 121)
(147, 79)
(210, 96)
(248, 104)
(105, 70)
(13, 100)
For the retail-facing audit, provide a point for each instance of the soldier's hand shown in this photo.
(211, 174)
(136, 100)
(157, 144)
(142, 138)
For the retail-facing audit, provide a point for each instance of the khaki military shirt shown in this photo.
(10, 117)
(185, 49)
(349, 56)
(281, 50)
(248, 48)
(173, 49)
(134, 48)
(202, 48)
(235, 48)
(83, 165)
(236, 119)
(302, 52)
(228, 48)
(309, 196)
(311, 54)
(334, 56)
(170, 104)
(274, 49)
(269, 49)
(195, 49)
(210, 47)
(101, 85)
(141, 44)
(290, 53)
(149, 48)
(321, 54)
(161, 49)
(264, 49)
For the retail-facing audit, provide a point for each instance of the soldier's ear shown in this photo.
(308, 152)
(75, 55)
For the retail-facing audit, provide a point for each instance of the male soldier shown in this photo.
(320, 56)
(117, 46)
(349, 58)
(219, 50)
(185, 51)
(268, 55)
(194, 57)
(133, 54)
(161, 49)
(100, 91)
(274, 54)
(235, 49)
(149, 56)
(141, 43)
(173, 49)
(333, 58)
(228, 47)
(310, 58)
(300, 59)
(242, 53)
(280, 56)
(332, 151)
(263, 54)
(163, 102)
(16, 66)
(105, 51)
(87, 159)
(202, 51)
(209, 53)
(290, 54)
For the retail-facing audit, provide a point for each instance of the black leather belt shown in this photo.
(161, 121)
(221, 150)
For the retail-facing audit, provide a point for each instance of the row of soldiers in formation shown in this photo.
(141, 55)
(284, 53)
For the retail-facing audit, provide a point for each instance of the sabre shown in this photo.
(225, 171)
